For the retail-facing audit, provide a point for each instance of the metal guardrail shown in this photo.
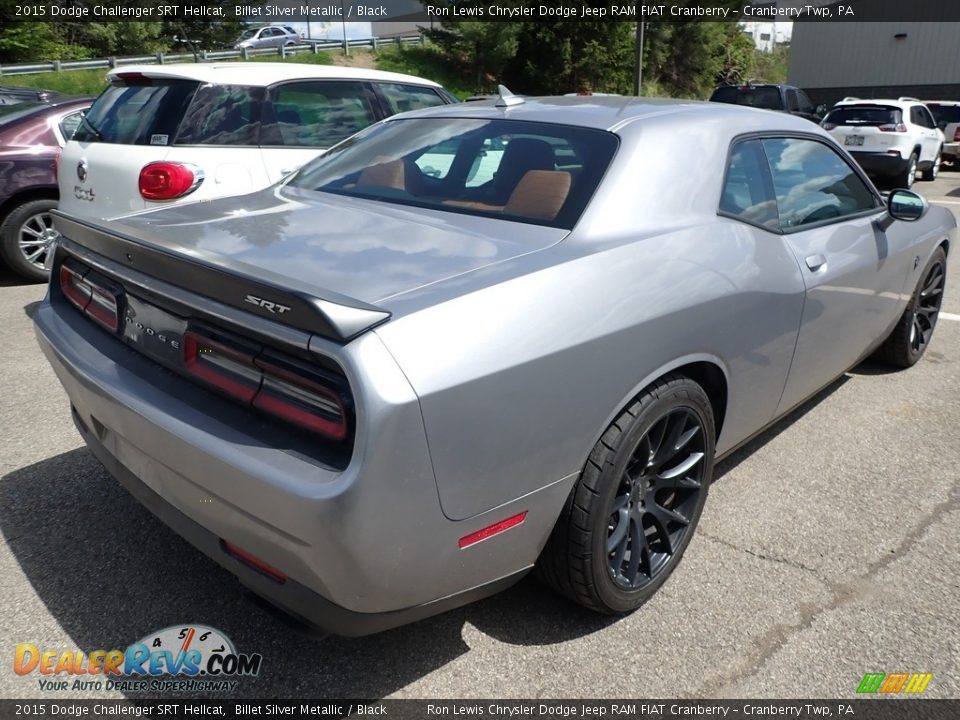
(311, 45)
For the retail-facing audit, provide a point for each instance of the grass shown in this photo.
(91, 82)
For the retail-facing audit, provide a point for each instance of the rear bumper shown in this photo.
(364, 548)
(951, 150)
(291, 597)
(877, 163)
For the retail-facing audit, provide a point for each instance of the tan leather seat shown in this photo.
(539, 195)
(389, 174)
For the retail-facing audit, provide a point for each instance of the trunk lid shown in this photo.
(356, 248)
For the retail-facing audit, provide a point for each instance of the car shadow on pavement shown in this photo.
(109, 573)
(10, 279)
(30, 309)
(730, 462)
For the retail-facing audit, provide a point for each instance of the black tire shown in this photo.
(16, 226)
(913, 331)
(906, 178)
(931, 172)
(576, 561)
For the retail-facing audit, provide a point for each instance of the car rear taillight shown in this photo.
(278, 386)
(956, 134)
(92, 295)
(890, 127)
(828, 126)
(168, 180)
(293, 395)
(227, 367)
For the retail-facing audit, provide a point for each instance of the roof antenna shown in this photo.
(507, 98)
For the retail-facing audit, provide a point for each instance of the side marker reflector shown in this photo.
(491, 530)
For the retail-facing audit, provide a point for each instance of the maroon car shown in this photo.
(31, 136)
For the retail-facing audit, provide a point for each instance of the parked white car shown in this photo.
(891, 139)
(267, 37)
(947, 115)
(166, 134)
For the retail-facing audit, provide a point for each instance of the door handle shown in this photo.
(815, 262)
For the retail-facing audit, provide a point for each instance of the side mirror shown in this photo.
(821, 110)
(906, 205)
(942, 124)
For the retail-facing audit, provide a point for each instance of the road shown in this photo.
(828, 548)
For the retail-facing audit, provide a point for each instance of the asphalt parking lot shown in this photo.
(828, 549)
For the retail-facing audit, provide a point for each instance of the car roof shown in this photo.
(261, 74)
(898, 102)
(613, 112)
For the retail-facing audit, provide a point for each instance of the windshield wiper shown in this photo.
(91, 126)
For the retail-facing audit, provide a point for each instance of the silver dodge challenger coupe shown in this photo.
(475, 340)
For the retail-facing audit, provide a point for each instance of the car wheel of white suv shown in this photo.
(931, 172)
(905, 179)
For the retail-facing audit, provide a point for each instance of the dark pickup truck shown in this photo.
(785, 98)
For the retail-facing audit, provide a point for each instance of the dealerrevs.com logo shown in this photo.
(180, 658)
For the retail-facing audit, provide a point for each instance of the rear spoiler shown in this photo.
(330, 315)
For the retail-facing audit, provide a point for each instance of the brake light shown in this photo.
(73, 287)
(890, 127)
(168, 180)
(296, 398)
(828, 126)
(956, 134)
(225, 367)
(272, 384)
(95, 297)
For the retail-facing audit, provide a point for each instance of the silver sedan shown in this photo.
(476, 340)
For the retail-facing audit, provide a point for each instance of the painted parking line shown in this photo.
(950, 316)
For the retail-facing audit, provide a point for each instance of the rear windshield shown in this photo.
(865, 115)
(528, 172)
(948, 114)
(12, 113)
(767, 98)
(137, 114)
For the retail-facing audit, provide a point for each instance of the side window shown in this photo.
(401, 98)
(930, 122)
(317, 113)
(436, 161)
(69, 124)
(222, 115)
(747, 193)
(915, 116)
(793, 104)
(813, 183)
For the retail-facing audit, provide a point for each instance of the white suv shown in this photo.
(890, 139)
(165, 134)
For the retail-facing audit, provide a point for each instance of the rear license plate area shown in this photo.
(153, 332)
(855, 140)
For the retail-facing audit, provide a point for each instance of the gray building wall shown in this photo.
(865, 59)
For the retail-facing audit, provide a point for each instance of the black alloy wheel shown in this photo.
(633, 510)
(911, 335)
(927, 308)
(658, 494)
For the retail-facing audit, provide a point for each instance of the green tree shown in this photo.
(480, 49)
(688, 59)
(562, 57)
